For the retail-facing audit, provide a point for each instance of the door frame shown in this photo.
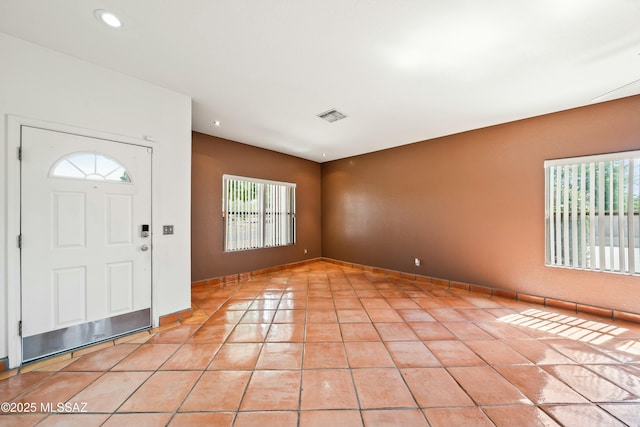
(14, 281)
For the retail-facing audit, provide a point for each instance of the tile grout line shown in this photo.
(353, 380)
(377, 290)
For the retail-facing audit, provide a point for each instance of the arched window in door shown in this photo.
(90, 166)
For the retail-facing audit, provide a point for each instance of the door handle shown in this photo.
(144, 248)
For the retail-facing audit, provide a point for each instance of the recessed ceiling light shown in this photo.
(217, 123)
(108, 18)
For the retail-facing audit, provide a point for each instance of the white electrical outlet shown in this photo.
(417, 262)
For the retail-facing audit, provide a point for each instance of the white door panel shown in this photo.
(81, 242)
(119, 287)
(69, 295)
(119, 226)
(69, 220)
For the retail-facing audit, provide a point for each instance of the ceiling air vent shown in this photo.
(332, 115)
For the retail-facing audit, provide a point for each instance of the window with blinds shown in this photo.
(592, 212)
(257, 213)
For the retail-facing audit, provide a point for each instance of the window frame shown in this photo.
(93, 175)
(272, 230)
(584, 205)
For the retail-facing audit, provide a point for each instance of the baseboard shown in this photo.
(178, 316)
(239, 277)
(518, 296)
(437, 281)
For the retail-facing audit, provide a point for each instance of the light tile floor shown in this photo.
(324, 345)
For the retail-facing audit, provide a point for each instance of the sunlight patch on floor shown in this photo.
(568, 326)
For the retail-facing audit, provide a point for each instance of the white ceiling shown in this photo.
(401, 70)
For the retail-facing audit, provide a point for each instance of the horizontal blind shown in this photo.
(257, 213)
(592, 212)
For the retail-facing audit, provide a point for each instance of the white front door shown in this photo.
(85, 257)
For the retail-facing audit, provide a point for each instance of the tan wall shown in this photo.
(471, 206)
(213, 157)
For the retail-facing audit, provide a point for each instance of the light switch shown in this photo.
(167, 229)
